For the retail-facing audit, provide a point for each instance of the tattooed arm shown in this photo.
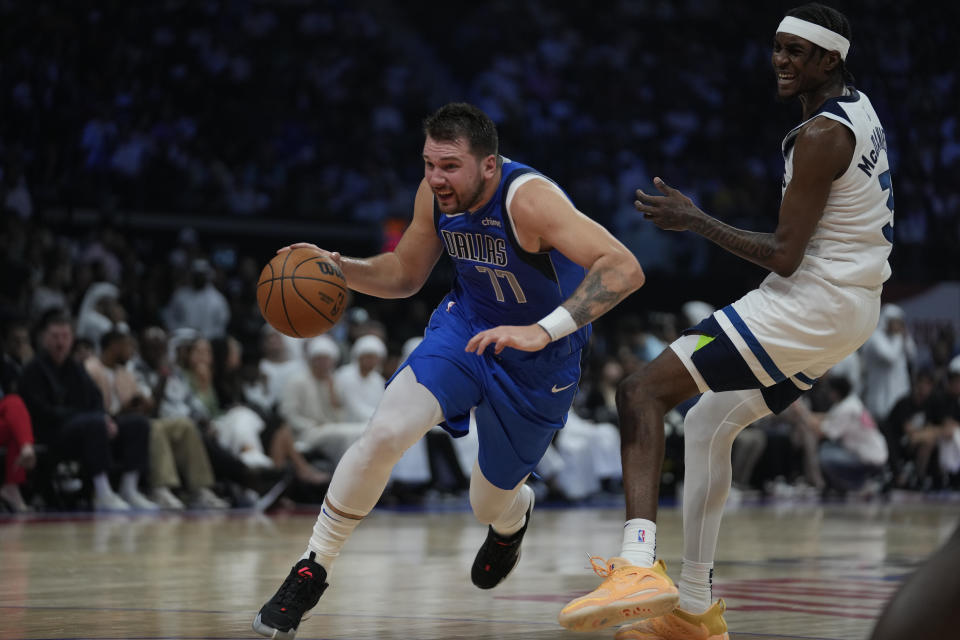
(609, 280)
(821, 154)
(544, 219)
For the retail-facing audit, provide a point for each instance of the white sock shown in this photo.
(639, 542)
(515, 516)
(696, 586)
(128, 483)
(330, 532)
(101, 485)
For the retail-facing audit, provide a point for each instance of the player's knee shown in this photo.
(643, 388)
(382, 441)
(635, 389)
(699, 423)
(721, 416)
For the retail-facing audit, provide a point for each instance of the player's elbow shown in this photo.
(632, 272)
(785, 271)
(403, 291)
(636, 276)
(785, 265)
(408, 286)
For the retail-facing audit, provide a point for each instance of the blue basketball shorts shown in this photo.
(519, 400)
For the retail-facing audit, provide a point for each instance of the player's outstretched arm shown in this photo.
(402, 272)
(822, 152)
(544, 219)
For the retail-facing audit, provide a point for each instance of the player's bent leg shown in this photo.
(643, 399)
(507, 514)
(407, 411)
(710, 427)
(632, 589)
(680, 625)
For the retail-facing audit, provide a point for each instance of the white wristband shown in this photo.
(558, 323)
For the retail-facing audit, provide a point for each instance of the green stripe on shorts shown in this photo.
(702, 342)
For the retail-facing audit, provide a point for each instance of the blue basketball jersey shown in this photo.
(519, 399)
(497, 281)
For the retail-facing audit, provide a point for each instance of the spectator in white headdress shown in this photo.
(278, 361)
(312, 405)
(100, 312)
(360, 381)
(886, 359)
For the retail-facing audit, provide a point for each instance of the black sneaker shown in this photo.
(498, 555)
(299, 593)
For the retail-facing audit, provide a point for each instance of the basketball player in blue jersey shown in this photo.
(828, 258)
(532, 272)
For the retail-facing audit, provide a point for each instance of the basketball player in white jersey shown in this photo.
(828, 258)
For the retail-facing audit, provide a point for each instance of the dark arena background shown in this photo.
(155, 155)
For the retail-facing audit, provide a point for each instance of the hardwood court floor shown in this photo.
(787, 571)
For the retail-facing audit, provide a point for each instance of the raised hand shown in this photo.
(672, 211)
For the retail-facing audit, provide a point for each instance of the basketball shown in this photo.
(301, 293)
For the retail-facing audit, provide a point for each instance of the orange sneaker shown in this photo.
(680, 625)
(629, 593)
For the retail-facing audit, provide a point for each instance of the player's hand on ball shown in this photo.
(531, 337)
(672, 211)
(333, 255)
(302, 291)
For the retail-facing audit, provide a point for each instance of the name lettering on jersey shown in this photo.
(868, 161)
(478, 247)
(490, 222)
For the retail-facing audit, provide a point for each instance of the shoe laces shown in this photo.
(298, 592)
(602, 568)
(497, 546)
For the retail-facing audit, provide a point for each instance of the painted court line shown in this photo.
(252, 613)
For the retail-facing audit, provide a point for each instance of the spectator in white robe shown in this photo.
(360, 382)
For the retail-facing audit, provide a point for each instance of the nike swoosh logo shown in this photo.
(555, 389)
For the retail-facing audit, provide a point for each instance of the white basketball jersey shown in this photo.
(853, 239)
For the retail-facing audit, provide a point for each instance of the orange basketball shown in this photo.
(301, 293)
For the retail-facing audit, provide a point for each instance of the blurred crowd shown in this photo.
(137, 370)
(148, 379)
(312, 110)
